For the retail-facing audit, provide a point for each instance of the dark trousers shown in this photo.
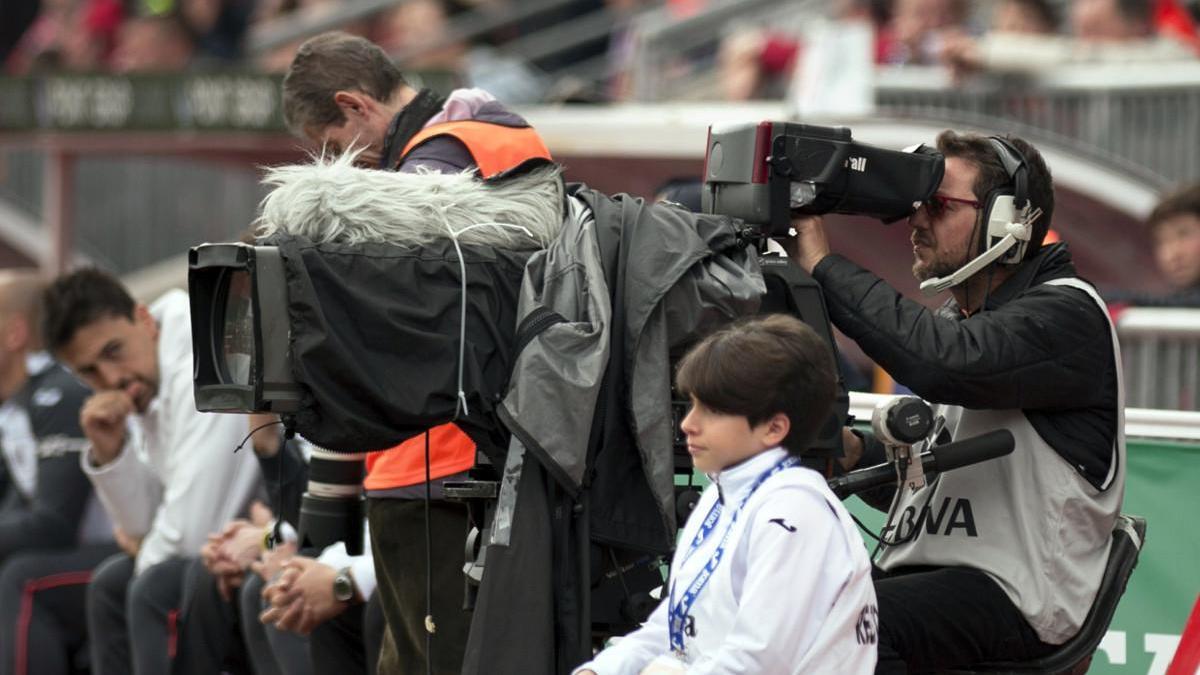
(150, 602)
(42, 598)
(348, 644)
(209, 639)
(950, 617)
(398, 543)
(272, 651)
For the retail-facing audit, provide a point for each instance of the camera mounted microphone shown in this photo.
(940, 459)
(899, 423)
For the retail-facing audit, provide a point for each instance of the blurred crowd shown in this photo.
(969, 37)
(165, 36)
(750, 61)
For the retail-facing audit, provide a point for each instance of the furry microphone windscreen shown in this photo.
(334, 201)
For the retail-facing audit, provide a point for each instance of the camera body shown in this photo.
(764, 173)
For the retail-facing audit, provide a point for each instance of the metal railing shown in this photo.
(1143, 119)
(1139, 422)
(1161, 352)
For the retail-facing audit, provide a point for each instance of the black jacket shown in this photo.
(1046, 350)
(50, 517)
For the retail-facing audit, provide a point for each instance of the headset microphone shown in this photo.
(1008, 222)
(1015, 234)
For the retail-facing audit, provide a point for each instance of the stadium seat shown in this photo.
(1074, 655)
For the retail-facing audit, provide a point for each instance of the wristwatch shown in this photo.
(343, 586)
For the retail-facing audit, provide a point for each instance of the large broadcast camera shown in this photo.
(255, 309)
(766, 173)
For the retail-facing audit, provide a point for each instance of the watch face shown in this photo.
(343, 587)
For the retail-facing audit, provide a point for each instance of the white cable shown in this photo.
(460, 405)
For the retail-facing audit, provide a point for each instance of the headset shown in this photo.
(1007, 218)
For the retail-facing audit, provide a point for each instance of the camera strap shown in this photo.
(678, 613)
(411, 119)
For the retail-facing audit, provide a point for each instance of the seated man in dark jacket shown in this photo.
(999, 560)
(53, 530)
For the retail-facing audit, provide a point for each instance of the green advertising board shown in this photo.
(201, 102)
(196, 101)
(1162, 487)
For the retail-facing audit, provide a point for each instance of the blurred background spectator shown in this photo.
(586, 49)
(1175, 233)
(919, 28)
(151, 44)
(1100, 31)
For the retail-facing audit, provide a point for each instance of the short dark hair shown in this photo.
(1184, 201)
(329, 63)
(1039, 184)
(76, 300)
(1044, 10)
(762, 366)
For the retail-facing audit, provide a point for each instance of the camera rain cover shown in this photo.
(375, 332)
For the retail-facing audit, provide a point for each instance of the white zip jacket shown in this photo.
(178, 479)
(792, 594)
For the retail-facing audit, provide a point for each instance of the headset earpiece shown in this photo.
(1004, 219)
(1007, 210)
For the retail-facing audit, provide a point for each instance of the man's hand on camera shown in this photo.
(264, 436)
(852, 449)
(103, 421)
(810, 245)
(302, 598)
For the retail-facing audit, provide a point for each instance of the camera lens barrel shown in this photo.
(332, 508)
(336, 474)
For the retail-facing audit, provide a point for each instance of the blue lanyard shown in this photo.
(678, 612)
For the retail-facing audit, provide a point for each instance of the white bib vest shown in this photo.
(1029, 519)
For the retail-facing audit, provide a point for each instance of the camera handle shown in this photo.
(899, 423)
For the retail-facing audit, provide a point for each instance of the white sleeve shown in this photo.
(362, 567)
(206, 484)
(127, 487)
(796, 562)
(634, 651)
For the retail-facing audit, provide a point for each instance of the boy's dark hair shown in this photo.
(327, 64)
(77, 299)
(1182, 202)
(762, 366)
(1039, 183)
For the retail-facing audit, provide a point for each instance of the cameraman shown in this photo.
(1000, 560)
(342, 93)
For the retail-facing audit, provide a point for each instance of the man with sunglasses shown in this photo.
(1000, 560)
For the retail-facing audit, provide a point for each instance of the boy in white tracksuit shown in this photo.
(769, 575)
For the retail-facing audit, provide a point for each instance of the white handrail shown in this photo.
(1159, 322)
(1139, 422)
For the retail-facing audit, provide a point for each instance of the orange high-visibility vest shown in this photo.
(496, 148)
(450, 451)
